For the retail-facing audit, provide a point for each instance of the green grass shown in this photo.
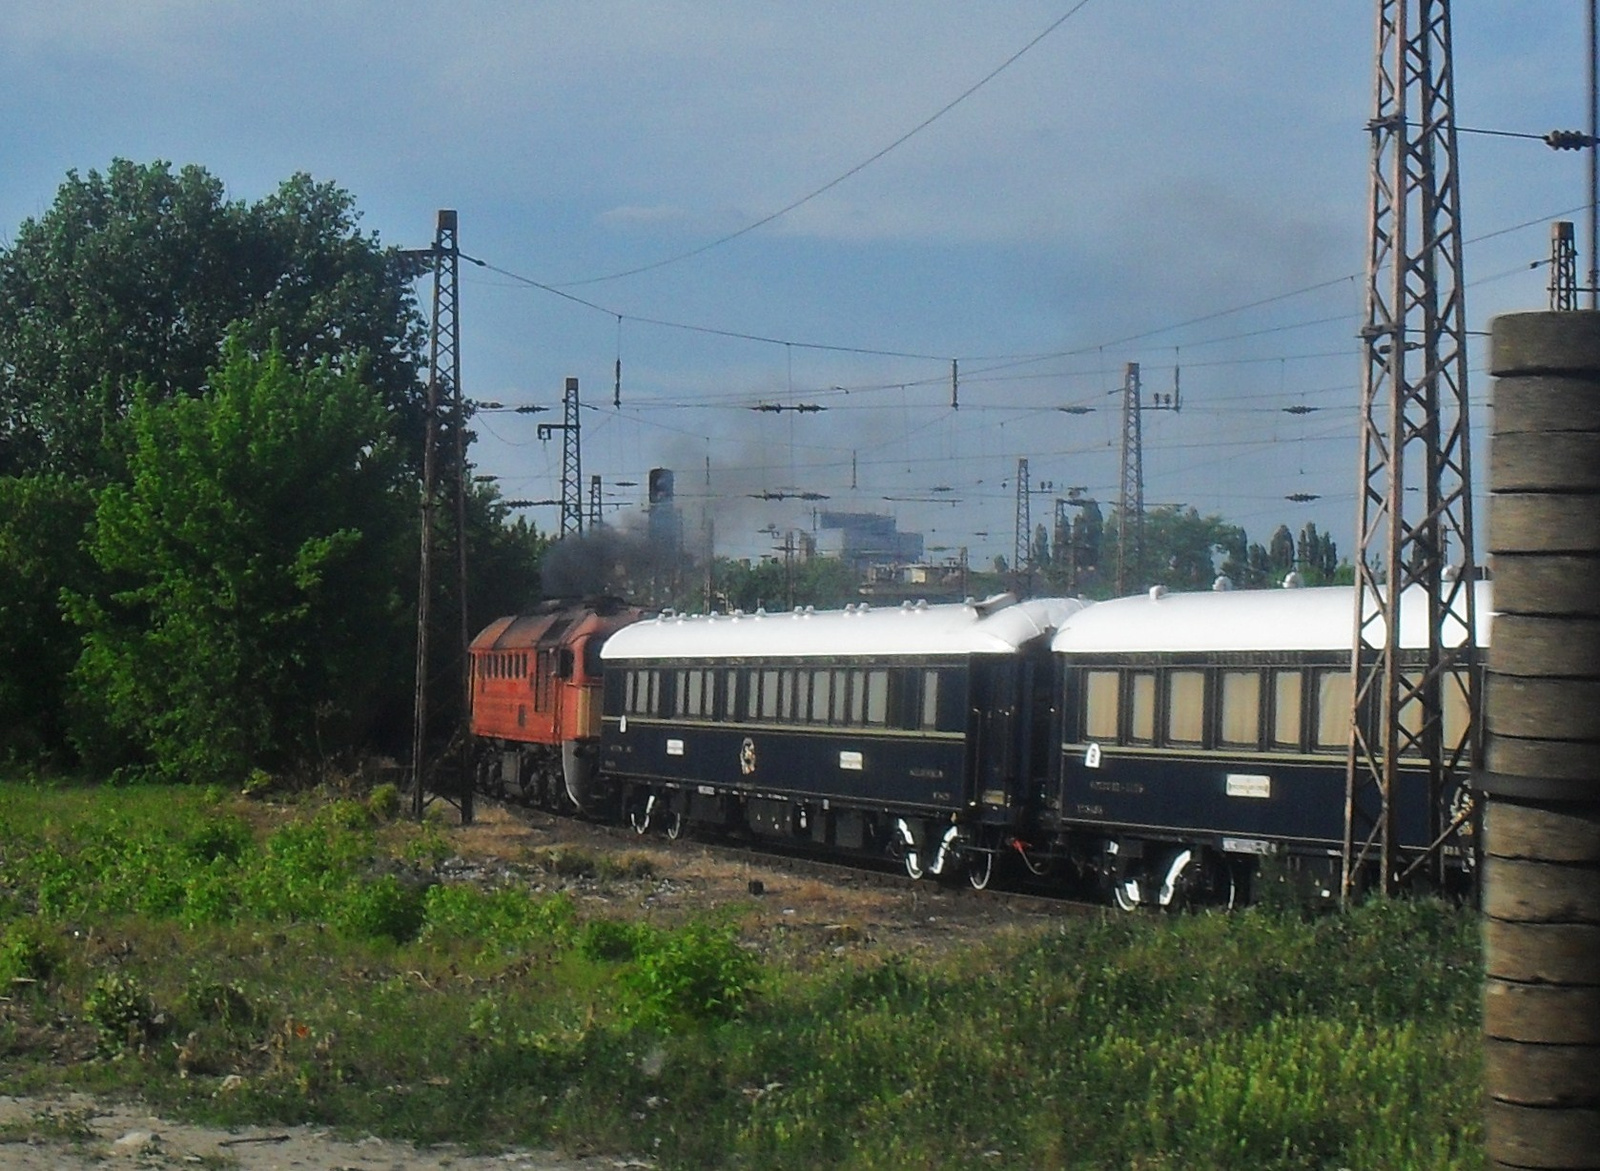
(303, 965)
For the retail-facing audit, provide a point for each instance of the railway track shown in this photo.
(787, 862)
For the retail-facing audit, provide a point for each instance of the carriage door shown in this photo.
(994, 728)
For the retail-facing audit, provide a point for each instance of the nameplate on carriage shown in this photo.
(1249, 785)
(850, 760)
(674, 747)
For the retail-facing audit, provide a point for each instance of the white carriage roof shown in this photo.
(1316, 619)
(998, 626)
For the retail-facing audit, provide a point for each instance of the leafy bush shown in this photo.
(500, 921)
(383, 908)
(692, 974)
(121, 1011)
(24, 954)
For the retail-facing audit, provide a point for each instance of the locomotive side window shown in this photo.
(1100, 705)
(1333, 710)
(541, 682)
(1287, 689)
(1186, 707)
(1142, 707)
(878, 697)
(1240, 726)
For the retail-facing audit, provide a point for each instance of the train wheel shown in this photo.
(913, 863)
(674, 826)
(1126, 895)
(980, 869)
(639, 814)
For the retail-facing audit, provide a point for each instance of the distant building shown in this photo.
(865, 539)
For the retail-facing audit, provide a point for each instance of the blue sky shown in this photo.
(1144, 165)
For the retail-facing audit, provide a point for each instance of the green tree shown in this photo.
(253, 618)
(42, 520)
(135, 277)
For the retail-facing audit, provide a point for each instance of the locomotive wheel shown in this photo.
(980, 869)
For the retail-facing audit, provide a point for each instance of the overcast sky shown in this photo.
(1145, 165)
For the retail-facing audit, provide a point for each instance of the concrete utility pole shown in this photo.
(1415, 498)
(1541, 882)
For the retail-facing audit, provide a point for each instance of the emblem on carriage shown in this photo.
(747, 756)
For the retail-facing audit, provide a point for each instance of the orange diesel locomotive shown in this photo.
(536, 701)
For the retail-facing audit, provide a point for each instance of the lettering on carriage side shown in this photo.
(1090, 810)
(1132, 788)
(1091, 756)
(928, 774)
(1249, 785)
(850, 760)
(1246, 846)
(674, 747)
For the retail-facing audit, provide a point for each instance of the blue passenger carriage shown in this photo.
(1202, 732)
(918, 729)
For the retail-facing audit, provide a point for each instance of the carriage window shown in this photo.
(769, 695)
(878, 697)
(692, 693)
(821, 690)
(1333, 710)
(786, 695)
(1100, 705)
(1457, 712)
(1241, 708)
(930, 699)
(840, 711)
(1287, 688)
(858, 697)
(1142, 710)
(1186, 706)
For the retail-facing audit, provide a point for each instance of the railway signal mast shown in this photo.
(1415, 509)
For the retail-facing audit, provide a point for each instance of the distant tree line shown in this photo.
(211, 424)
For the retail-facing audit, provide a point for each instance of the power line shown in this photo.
(855, 170)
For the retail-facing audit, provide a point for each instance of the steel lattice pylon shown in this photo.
(1130, 503)
(1415, 491)
(571, 461)
(1022, 549)
(444, 382)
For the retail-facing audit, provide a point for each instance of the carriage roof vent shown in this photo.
(1157, 592)
(1223, 584)
(1293, 582)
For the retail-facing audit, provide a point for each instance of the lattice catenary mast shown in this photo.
(444, 380)
(1415, 510)
(571, 461)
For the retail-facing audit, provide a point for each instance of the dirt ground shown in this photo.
(780, 909)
